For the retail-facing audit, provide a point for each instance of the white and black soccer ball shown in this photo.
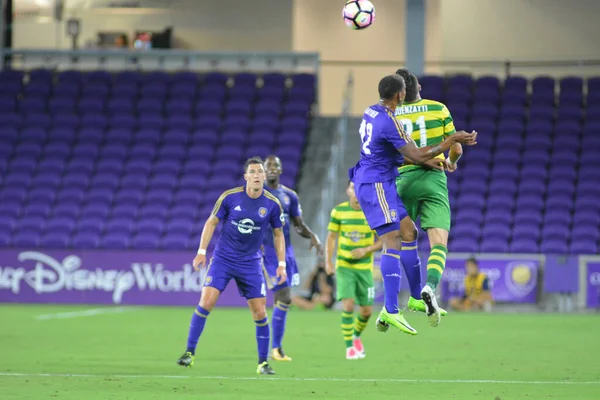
(359, 14)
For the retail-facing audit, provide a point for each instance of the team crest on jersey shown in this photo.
(286, 199)
(394, 215)
(355, 236)
(208, 280)
(262, 212)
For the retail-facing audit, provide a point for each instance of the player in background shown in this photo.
(246, 213)
(292, 213)
(424, 193)
(348, 228)
(384, 146)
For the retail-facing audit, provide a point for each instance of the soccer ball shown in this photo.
(359, 14)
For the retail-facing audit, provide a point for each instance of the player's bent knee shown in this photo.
(284, 296)
(348, 305)
(408, 230)
(437, 236)
(392, 240)
(258, 308)
(366, 311)
(209, 298)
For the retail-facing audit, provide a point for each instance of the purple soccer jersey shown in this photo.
(381, 135)
(291, 209)
(246, 222)
(375, 173)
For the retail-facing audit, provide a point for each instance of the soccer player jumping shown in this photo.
(384, 145)
(292, 212)
(246, 212)
(353, 268)
(424, 191)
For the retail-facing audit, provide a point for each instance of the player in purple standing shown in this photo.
(247, 212)
(282, 292)
(384, 146)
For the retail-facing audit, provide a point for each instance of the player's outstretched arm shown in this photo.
(330, 244)
(207, 234)
(422, 154)
(279, 241)
(304, 231)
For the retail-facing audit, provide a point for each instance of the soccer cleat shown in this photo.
(419, 306)
(265, 369)
(279, 355)
(381, 326)
(352, 354)
(397, 321)
(186, 360)
(433, 310)
(358, 346)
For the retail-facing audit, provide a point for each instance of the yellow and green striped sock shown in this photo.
(347, 319)
(436, 264)
(360, 323)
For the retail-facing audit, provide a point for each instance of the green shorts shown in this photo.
(424, 193)
(356, 284)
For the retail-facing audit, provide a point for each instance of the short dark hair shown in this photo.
(473, 260)
(253, 160)
(412, 84)
(390, 86)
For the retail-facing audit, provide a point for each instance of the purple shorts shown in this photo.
(247, 275)
(270, 264)
(381, 205)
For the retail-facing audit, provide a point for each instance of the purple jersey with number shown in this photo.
(381, 134)
(291, 209)
(246, 221)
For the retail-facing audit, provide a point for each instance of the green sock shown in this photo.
(360, 323)
(436, 264)
(347, 319)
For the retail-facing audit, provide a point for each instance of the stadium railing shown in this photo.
(166, 60)
(501, 68)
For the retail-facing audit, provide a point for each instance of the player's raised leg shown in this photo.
(410, 256)
(435, 268)
(383, 210)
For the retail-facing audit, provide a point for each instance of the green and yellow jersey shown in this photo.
(353, 232)
(428, 122)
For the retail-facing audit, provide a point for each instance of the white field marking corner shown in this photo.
(84, 313)
(241, 378)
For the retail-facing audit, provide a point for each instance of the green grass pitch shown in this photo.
(131, 355)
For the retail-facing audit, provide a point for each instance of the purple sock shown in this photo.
(262, 339)
(196, 328)
(390, 270)
(278, 321)
(412, 267)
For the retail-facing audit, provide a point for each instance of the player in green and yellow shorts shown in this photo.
(424, 193)
(348, 228)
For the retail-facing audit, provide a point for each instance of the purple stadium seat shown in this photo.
(146, 240)
(553, 246)
(115, 241)
(175, 242)
(494, 246)
(129, 196)
(24, 239)
(66, 210)
(524, 246)
(271, 94)
(90, 224)
(86, 240)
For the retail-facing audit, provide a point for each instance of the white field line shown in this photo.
(84, 313)
(241, 378)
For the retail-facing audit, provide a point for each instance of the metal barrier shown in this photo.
(167, 60)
